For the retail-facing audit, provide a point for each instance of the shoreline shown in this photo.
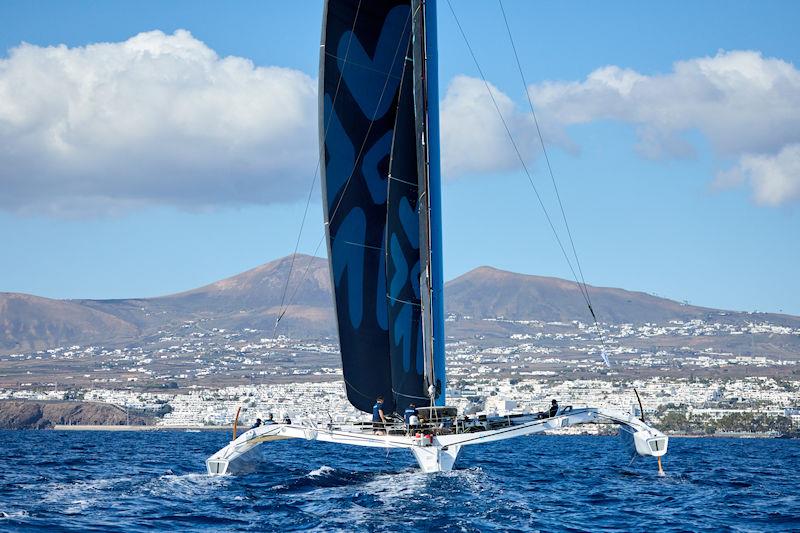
(90, 427)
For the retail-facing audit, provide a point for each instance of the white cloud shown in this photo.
(161, 119)
(775, 179)
(473, 137)
(155, 119)
(745, 105)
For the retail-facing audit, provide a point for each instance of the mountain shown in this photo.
(45, 414)
(30, 323)
(487, 292)
(253, 300)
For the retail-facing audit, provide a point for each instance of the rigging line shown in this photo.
(400, 300)
(355, 163)
(366, 246)
(396, 116)
(356, 390)
(391, 159)
(392, 178)
(516, 148)
(386, 258)
(359, 65)
(391, 162)
(371, 123)
(281, 311)
(426, 398)
(305, 274)
(546, 157)
(585, 291)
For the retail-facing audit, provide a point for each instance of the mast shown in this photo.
(429, 205)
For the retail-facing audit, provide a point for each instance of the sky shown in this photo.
(152, 147)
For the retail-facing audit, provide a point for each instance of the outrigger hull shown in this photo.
(439, 452)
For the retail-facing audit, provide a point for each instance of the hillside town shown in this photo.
(704, 401)
(693, 376)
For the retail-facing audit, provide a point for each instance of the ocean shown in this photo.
(145, 481)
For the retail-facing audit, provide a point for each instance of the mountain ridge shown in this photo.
(254, 299)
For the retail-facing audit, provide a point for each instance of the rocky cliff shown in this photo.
(24, 414)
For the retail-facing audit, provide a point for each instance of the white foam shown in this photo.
(321, 471)
(79, 495)
(185, 485)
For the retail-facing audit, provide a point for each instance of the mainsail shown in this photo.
(381, 197)
(379, 159)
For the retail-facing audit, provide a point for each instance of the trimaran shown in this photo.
(379, 155)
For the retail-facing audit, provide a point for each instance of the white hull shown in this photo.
(440, 454)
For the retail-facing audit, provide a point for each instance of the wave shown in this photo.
(185, 486)
(321, 471)
(535, 486)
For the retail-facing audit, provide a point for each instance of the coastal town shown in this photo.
(692, 377)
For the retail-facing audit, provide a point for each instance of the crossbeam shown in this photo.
(435, 453)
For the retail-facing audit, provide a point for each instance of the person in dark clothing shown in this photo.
(378, 418)
(410, 411)
(411, 417)
(257, 424)
(550, 413)
(553, 408)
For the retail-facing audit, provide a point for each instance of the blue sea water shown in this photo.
(102, 481)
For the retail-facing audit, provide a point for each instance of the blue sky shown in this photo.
(692, 215)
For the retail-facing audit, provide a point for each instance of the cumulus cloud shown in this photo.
(473, 137)
(747, 107)
(774, 179)
(162, 119)
(154, 119)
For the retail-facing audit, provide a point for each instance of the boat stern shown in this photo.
(216, 467)
(648, 444)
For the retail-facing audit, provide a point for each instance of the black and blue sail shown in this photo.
(368, 125)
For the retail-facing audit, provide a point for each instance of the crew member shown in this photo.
(550, 413)
(411, 417)
(410, 411)
(378, 418)
(269, 420)
(553, 408)
(257, 424)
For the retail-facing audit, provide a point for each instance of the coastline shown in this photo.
(100, 427)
